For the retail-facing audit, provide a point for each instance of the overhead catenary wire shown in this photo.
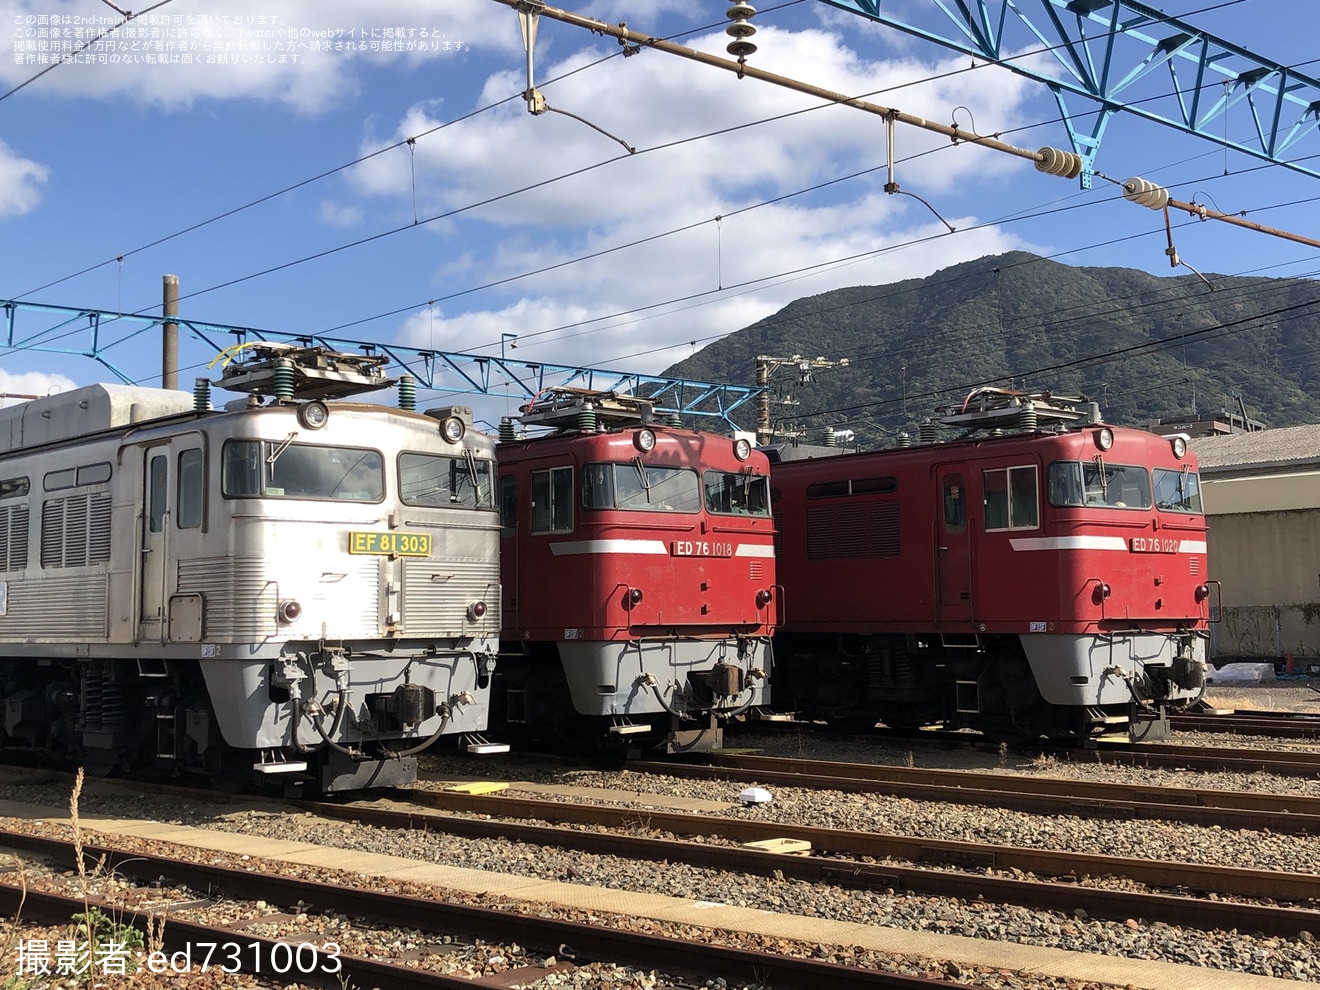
(845, 259)
(127, 15)
(1052, 161)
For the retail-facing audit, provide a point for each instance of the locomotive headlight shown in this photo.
(1202, 593)
(1104, 438)
(313, 415)
(633, 597)
(1101, 592)
(476, 611)
(1179, 446)
(290, 611)
(742, 448)
(644, 440)
(763, 598)
(452, 429)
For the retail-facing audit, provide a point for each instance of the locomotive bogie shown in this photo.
(294, 590)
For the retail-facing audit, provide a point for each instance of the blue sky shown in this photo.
(97, 161)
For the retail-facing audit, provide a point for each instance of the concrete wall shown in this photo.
(1269, 566)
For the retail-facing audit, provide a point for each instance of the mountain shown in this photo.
(1140, 345)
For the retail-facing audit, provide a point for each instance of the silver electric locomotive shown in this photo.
(292, 587)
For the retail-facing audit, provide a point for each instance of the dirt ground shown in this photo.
(1269, 696)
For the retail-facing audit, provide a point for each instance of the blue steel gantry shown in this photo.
(1124, 56)
(455, 372)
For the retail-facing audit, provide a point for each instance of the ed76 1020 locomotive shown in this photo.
(1046, 582)
(299, 588)
(638, 573)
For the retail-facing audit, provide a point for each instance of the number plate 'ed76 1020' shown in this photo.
(1152, 544)
(403, 544)
(701, 548)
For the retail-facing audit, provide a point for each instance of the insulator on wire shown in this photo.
(1055, 161)
(740, 30)
(1145, 193)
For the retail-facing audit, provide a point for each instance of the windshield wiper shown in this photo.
(283, 446)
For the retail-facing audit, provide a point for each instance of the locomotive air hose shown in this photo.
(444, 721)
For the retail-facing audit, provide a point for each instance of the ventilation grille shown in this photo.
(755, 570)
(437, 593)
(843, 531)
(13, 537)
(57, 609)
(75, 531)
(1195, 565)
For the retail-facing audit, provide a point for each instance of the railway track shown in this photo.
(698, 961)
(1284, 813)
(848, 858)
(1251, 723)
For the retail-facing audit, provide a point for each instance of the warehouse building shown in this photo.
(1261, 493)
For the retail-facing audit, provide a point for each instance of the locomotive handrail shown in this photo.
(1219, 603)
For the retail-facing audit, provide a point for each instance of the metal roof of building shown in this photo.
(1290, 446)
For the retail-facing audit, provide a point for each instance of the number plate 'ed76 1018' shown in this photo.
(701, 548)
(403, 544)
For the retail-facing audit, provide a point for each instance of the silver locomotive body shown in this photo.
(292, 588)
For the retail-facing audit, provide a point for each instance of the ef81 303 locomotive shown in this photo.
(638, 575)
(289, 586)
(1046, 582)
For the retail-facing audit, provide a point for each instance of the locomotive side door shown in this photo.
(155, 516)
(953, 556)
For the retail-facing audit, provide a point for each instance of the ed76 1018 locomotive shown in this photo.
(302, 588)
(1047, 582)
(638, 573)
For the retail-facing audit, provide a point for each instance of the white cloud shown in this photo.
(339, 216)
(20, 183)
(237, 51)
(764, 254)
(31, 383)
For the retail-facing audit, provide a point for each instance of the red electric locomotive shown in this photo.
(638, 572)
(1050, 581)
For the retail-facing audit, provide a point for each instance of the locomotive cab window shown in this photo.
(1097, 484)
(1177, 491)
(552, 500)
(259, 468)
(737, 494)
(1011, 498)
(955, 504)
(450, 482)
(641, 487)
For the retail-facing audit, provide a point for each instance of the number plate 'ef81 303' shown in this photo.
(1152, 544)
(701, 548)
(403, 544)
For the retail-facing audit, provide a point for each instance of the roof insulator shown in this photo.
(1145, 193)
(1055, 161)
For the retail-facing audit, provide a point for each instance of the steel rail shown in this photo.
(1168, 756)
(1251, 723)
(671, 955)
